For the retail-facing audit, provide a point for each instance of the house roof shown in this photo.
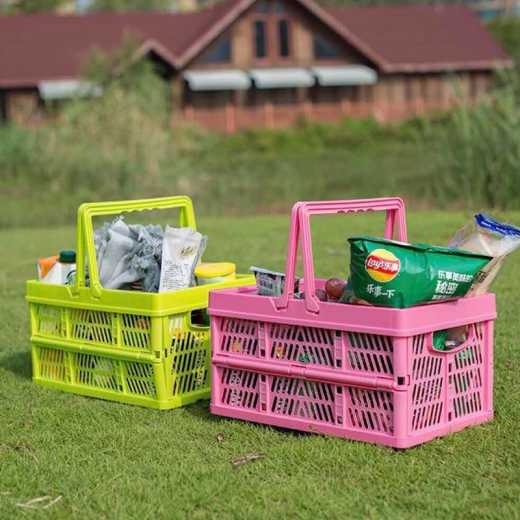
(37, 47)
(415, 38)
(396, 39)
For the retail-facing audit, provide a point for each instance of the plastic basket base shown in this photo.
(374, 414)
(129, 381)
(169, 404)
(374, 438)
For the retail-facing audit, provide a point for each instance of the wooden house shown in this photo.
(263, 63)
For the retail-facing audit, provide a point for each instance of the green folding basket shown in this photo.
(133, 347)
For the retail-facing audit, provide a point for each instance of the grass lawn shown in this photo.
(115, 461)
(246, 174)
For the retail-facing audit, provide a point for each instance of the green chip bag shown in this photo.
(395, 274)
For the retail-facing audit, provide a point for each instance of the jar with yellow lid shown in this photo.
(217, 272)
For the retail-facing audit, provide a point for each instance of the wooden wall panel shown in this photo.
(23, 106)
(303, 48)
(242, 43)
(303, 25)
(394, 98)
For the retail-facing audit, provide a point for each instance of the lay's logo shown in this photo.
(382, 265)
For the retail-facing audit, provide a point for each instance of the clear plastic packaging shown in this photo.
(485, 235)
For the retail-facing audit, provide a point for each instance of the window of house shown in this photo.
(283, 38)
(268, 6)
(279, 6)
(263, 6)
(260, 39)
(220, 52)
(324, 48)
(271, 30)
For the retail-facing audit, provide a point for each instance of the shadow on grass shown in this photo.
(19, 363)
(201, 410)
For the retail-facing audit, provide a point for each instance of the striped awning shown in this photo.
(345, 75)
(217, 80)
(282, 78)
(66, 89)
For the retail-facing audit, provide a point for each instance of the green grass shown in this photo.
(116, 461)
(247, 173)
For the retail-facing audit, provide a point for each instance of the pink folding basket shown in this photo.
(361, 372)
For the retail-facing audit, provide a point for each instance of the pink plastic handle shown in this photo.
(301, 233)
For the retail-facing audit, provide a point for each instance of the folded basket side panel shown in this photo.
(98, 375)
(394, 390)
(302, 404)
(89, 356)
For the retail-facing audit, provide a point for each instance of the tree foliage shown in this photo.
(130, 5)
(379, 2)
(506, 30)
(479, 152)
(34, 6)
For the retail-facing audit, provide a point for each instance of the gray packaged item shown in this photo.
(126, 254)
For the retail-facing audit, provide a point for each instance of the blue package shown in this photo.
(489, 223)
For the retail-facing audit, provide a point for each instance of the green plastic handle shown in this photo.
(85, 230)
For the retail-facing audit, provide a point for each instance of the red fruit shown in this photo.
(334, 288)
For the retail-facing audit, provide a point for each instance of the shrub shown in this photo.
(506, 30)
(478, 153)
(98, 146)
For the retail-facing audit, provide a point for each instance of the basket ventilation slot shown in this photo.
(135, 331)
(466, 380)
(427, 390)
(240, 388)
(370, 353)
(307, 345)
(190, 361)
(49, 321)
(303, 399)
(52, 365)
(370, 410)
(239, 337)
(93, 326)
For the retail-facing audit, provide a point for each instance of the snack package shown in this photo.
(485, 235)
(181, 252)
(270, 283)
(397, 274)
